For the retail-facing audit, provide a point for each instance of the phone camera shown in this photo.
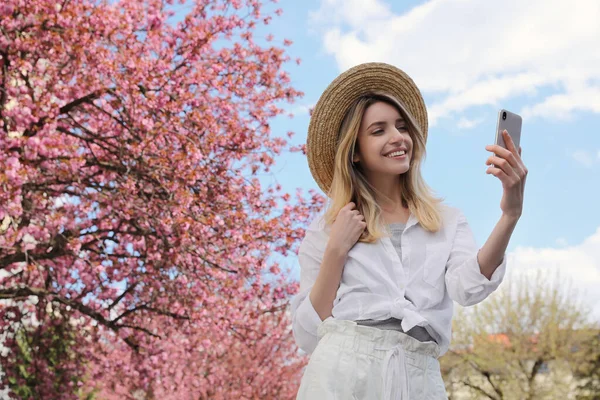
(504, 115)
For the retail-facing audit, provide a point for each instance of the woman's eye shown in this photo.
(378, 131)
(401, 128)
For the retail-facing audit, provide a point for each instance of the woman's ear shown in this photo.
(355, 157)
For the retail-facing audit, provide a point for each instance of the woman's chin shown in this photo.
(394, 172)
(401, 171)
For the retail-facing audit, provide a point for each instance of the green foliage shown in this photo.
(524, 342)
(589, 371)
(43, 357)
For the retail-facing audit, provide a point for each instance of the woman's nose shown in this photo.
(397, 137)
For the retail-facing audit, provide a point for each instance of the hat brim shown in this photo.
(330, 110)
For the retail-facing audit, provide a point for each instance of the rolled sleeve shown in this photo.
(305, 322)
(305, 319)
(464, 281)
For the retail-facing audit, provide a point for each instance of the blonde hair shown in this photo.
(350, 184)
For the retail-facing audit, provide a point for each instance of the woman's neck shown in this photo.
(397, 215)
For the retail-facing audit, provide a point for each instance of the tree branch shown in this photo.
(125, 292)
(478, 389)
(151, 309)
(22, 292)
(63, 110)
(57, 251)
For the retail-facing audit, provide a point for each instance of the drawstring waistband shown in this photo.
(396, 345)
(395, 373)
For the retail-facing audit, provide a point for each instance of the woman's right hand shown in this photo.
(347, 228)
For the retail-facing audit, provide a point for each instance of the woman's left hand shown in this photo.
(507, 165)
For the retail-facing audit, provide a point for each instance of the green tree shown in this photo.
(45, 356)
(589, 371)
(525, 342)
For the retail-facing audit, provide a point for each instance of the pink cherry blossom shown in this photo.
(139, 252)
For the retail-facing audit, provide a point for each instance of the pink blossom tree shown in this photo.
(135, 235)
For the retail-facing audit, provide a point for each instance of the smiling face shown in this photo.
(384, 143)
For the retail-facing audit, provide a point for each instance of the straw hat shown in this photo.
(335, 101)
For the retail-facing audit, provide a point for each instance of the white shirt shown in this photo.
(436, 269)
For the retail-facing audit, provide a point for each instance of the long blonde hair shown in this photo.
(350, 184)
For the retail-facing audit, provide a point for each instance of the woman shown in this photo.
(381, 268)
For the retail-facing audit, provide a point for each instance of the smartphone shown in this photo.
(512, 123)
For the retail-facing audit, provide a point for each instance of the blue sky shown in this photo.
(470, 59)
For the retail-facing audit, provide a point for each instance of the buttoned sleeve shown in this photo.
(464, 281)
(305, 320)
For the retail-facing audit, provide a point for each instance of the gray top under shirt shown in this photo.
(418, 332)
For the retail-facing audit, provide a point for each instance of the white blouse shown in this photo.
(436, 269)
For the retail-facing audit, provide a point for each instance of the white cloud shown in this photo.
(465, 123)
(584, 157)
(353, 13)
(561, 106)
(579, 264)
(301, 109)
(469, 52)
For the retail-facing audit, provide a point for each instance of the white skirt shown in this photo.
(354, 362)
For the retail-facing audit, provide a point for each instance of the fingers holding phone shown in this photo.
(507, 147)
(506, 163)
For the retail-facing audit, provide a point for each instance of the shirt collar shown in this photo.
(412, 220)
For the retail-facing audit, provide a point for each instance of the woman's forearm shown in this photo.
(491, 254)
(327, 283)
